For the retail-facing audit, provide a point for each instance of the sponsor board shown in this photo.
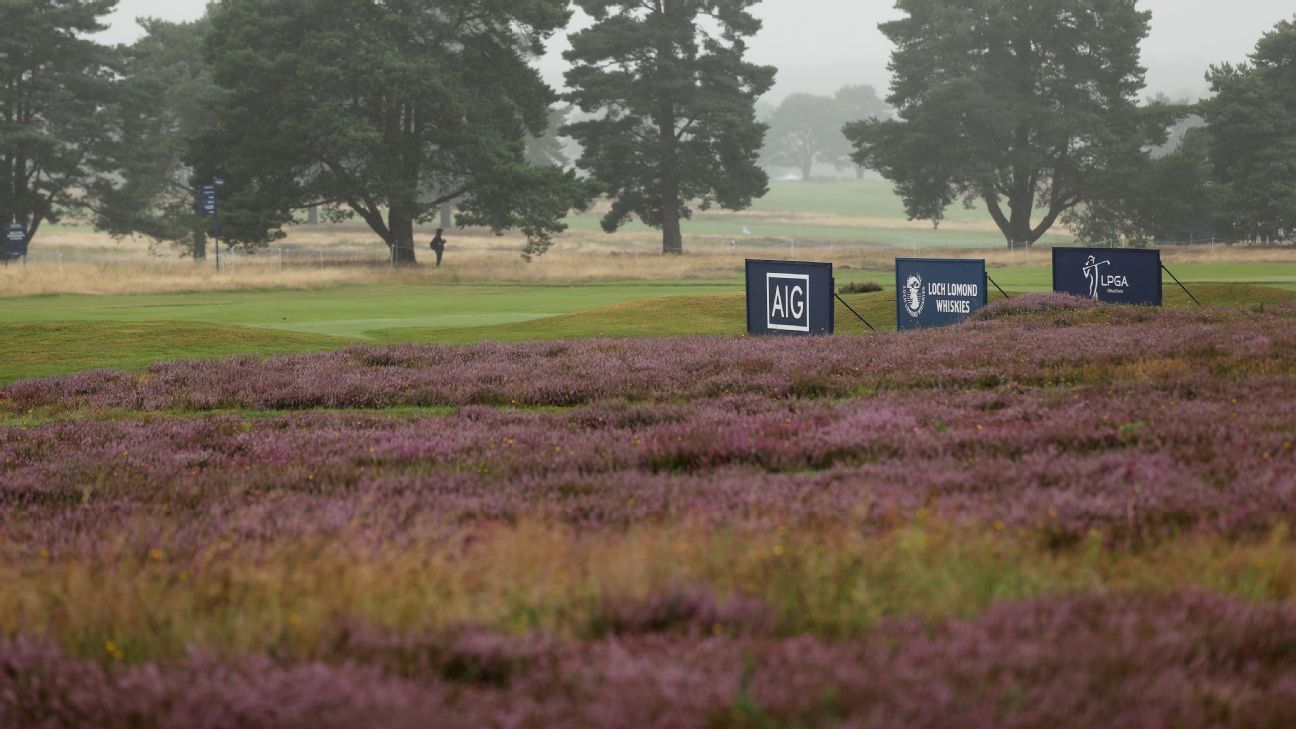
(937, 292)
(1112, 275)
(15, 240)
(789, 297)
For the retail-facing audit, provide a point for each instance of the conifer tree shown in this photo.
(673, 98)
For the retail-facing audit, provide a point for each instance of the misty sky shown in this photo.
(820, 45)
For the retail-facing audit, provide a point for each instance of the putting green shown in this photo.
(356, 312)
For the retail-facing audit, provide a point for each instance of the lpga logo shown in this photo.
(915, 296)
(1112, 284)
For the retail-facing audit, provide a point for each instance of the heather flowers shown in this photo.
(1044, 516)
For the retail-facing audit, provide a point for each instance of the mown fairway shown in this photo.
(992, 520)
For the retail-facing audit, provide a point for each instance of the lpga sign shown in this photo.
(789, 297)
(1113, 275)
(935, 292)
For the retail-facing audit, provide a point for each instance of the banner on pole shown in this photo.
(207, 205)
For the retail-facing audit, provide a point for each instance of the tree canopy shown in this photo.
(54, 90)
(1232, 174)
(673, 99)
(1169, 198)
(806, 129)
(1252, 139)
(1021, 105)
(384, 111)
(802, 133)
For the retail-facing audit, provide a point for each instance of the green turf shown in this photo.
(357, 312)
(33, 349)
(46, 335)
(724, 314)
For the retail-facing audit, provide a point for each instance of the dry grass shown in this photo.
(87, 263)
(157, 600)
(76, 261)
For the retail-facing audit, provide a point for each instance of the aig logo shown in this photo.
(787, 302)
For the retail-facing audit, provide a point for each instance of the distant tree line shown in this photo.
(385, 112)
(392, 112)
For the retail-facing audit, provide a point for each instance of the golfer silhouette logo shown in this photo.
(1091, 268)
(915, 298)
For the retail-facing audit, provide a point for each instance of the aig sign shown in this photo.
(935, 292)
(1113, 275)
(789, 297)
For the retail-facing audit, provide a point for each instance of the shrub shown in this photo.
(860, 287)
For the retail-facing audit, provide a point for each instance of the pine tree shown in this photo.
(674, 102)
(165, 100)
(55, 86)
(1252, 140)
(1019, 105)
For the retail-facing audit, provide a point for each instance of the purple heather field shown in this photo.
(1073, 433)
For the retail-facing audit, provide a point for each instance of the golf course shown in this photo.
(315, 487)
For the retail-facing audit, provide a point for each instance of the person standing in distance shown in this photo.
(438, 246)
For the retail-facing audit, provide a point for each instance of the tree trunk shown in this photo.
(807, 168)
(400, 223)
(672, 239)
(1019, 225)
(447, 209)
(199, 243)
(312, 215)
(668, 148)
(1015, 226)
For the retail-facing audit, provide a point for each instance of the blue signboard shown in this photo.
(1113, 275)
(789, 297)
(937, 292)
(207, 201)
(15, 241)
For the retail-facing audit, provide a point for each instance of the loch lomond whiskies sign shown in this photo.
(936, 292)
(789, 297)
(1112, 275)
